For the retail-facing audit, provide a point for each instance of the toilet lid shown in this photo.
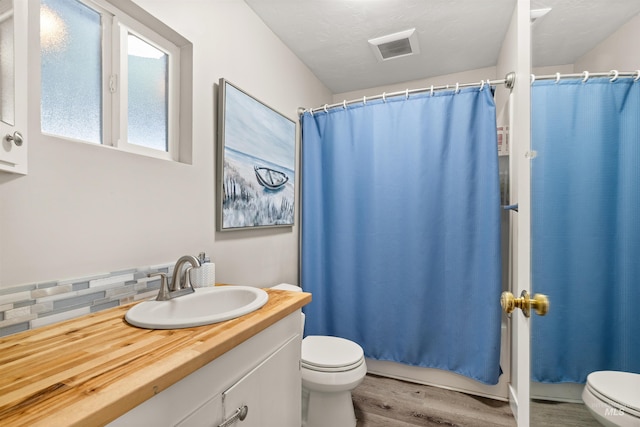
(622, 388)
(329, 353)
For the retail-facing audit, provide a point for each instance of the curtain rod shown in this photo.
(613, 74)
(508, 81)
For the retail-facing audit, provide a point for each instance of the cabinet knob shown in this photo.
(16, 138)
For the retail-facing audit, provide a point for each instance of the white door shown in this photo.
(520, 272)
(13, 86)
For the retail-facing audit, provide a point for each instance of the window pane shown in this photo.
(6, 68)
(147, 98)
(70, 39)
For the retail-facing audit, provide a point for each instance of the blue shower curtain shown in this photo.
(586, 227)
(401, 229)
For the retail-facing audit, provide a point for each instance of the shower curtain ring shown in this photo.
(586, 77)
(431, 92)
(615, 75)
(344, 104)
(637, 77)
(481, 85)
(557, 77)
(325, 108)
(457, 88)
(364, 100)
(384, 96)
(533, 78)
(406, 94)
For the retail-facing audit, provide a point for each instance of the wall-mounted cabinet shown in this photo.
(13, 86)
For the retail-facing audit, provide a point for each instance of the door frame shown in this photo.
(520, 220)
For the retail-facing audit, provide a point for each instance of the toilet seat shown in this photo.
(330, 354)
(619, 389)
(333, 369)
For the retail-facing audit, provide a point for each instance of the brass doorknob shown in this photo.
(539, 302)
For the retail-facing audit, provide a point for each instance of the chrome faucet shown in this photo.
(181, 279)
(180, 283)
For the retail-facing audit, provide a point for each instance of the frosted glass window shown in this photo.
(108, 78)
(70, 39)
(147, 95)
(7, 96)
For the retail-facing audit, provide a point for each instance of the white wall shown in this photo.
(84, 209)
(470, 76)
(620, 51)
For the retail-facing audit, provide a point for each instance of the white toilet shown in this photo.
(613, 398)
(331, 367)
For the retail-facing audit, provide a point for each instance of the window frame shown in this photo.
(124, 28)
(116, 24)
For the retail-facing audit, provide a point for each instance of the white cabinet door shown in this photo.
(13, 86)
(271, 392)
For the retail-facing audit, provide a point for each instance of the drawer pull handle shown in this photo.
(240, 414)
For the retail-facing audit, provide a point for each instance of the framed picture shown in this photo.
(256, 162)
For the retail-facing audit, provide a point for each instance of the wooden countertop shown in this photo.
(90, 370)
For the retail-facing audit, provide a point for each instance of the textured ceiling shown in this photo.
(330, 36)
(574, 27)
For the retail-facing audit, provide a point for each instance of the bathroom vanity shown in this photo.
(97, 370)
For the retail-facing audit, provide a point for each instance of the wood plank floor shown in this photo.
(558, 414)
(387, 402)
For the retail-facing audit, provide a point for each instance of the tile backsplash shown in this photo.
(37, 304)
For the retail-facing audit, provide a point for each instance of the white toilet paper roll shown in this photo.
(205, 275)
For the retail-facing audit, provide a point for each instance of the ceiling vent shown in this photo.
(395, 45)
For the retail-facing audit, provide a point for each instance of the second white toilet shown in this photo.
(613, 398)
(331, 367)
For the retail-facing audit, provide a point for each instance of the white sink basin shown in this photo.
(203, 307)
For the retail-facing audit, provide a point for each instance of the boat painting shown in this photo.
(269, 178)
(256, 169)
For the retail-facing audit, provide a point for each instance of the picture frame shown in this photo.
(256, 162)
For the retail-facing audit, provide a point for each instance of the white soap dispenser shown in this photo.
(205, 275)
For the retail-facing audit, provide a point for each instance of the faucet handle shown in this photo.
(163, 276)
(163, 293)
(187, 277)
